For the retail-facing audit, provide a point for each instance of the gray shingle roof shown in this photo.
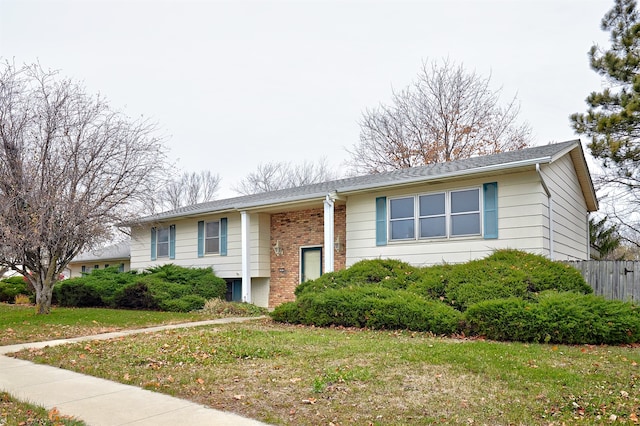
(397, 177)
(121, 250)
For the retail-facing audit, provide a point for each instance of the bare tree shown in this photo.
(70, 168)
(447, 114)
(190, 188)
(280, 175)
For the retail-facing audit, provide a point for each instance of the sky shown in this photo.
(232, 84)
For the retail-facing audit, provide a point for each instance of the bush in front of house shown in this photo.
(505, 273)
(556, 317)
(96, 289)
(11, 287)
(509, 295)
(167, 287)
(387, 273)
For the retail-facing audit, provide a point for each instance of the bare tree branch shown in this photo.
(447, 114)
(188, 189)
(70, 168)
(281, 175)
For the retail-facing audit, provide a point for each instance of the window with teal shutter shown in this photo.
(153, 243)
(201, 238)
(172, 242)
(490, 210)
(223, 236)
(381, 221)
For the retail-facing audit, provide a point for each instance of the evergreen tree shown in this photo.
(604, 239)
(613, 117)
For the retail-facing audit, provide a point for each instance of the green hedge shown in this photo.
(167, 287)
(510, 295)
(556, 317)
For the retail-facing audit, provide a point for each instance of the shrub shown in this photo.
(135, 296)
(372, 307)
(104, 283)
(288, 312)
(76, 294)
(389, 273)
(188, 303)
(556, 317)
(505, 273)
(11, 287)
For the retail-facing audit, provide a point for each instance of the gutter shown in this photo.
(550, 204)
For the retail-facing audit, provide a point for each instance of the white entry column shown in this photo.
(245, 236)
(329, 234)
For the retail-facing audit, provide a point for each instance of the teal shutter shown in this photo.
(223, 236)
(490, 191)
(153, 243)
(381, 221)
(172, 242)
(201, 238)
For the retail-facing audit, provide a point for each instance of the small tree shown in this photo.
(70, 168)
(447, 114)
(281, 175)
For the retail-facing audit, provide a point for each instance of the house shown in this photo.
(536, 199)
(118, 255)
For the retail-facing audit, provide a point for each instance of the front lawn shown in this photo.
(284, 374)
(19, 324)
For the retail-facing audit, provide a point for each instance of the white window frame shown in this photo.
(158, 242)
(448, 216)
(207, 238)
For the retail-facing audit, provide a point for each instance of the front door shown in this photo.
(311, 267)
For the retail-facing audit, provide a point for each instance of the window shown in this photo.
(162, 244)
(212, 237)
(121, 267)
(437, 215)
(433, 220)
(465, 212)
(401, 218)
(84, 269)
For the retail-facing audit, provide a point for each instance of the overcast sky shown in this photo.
(235, 83)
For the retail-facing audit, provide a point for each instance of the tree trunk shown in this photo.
(44, 294)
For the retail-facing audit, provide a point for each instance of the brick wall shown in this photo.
(297, 229)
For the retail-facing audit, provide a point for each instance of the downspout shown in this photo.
(550, 203)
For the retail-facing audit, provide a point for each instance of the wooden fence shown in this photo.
(613, 279)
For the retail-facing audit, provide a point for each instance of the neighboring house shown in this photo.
(118, 255)
(536, 199)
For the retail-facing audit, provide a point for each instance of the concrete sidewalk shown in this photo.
(100, 402)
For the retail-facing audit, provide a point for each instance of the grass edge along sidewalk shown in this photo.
(101, 402)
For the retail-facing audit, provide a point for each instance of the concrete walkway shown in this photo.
(100, 402)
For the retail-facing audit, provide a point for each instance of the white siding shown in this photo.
(569, 210)
(75, 268)
(228, 266)
(521, 224)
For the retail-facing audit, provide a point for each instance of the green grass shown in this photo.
(20, 324)
(17, 413)
(285, 374)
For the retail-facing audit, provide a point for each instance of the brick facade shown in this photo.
(295, 229)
